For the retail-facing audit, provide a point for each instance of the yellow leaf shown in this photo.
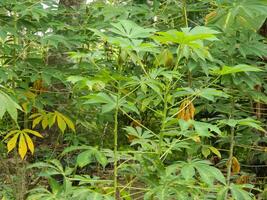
(29, 143)
(44, 122)
(210, 16)
(34, 115)
(30, 95)
(10, 133)
(22, 146)
(244, 179)
(12, 142)
(196, 139)
(36, 121)
(186, 110)
(61, 123)
(25, 106)
(52, 120)
(68, 122)
(235, 165)
(32, 132)
(215, 151)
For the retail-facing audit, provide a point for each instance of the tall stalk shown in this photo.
(164, 116)
(185, 13)
(116, 190)
(231, 153)
(115, 132)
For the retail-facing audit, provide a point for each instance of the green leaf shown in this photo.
(102, 98)
(203, 129)
(249, 14)
(131, 30)
(54, 185)
(74, 148)
(8, 105)
(210, 93)
(205, 174)
(235, 69)
(222, 193)
(205, 151)
(251, 123)
(240, 194)
(217, 174)
(101, 158)
(84, 158)
(188, 171)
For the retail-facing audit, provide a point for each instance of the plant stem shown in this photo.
(116, 190)
(185, 13)
(163, 123)
(231, 151)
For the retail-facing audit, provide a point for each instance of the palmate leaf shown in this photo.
(109, 102)
(86, 157)
(239, 192)
(243, 122)
(211, 93)
(131, 30)
(50, 118)
(8, 105)
(191, 41)
(202, 128)
(24, 142)
(246, 13)
(206, 172)
(187, 36)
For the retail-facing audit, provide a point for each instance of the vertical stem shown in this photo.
(231, 151)
(185, 13)
(163, 123)
(116, 190)
(230, 159)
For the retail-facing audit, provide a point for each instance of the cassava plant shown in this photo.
(129, 100)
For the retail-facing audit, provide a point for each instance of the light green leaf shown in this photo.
(205, 151)
(84, 158)
(187, 171)
(235, 69)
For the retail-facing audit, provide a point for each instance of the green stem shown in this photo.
(115, 131)
(231, 152)
(163, 124)
(116, 190)
(185, 13)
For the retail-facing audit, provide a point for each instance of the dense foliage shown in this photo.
(128, 100)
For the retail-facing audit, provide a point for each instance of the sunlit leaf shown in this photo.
(22, 146)
(29, 143)
(12, 142)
